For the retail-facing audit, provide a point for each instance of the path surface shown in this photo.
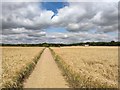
(46, 74)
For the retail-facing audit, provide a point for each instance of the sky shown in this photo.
(59, 22)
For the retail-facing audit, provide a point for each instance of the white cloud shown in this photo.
(69, 14)
(21, 0)
(78, 37)
(27, 15)
(87, 16)
(25, 22)
(60, 1)
(93, 0)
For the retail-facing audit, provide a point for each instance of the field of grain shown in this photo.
(0, 65)
(17, 62)
(91, 66)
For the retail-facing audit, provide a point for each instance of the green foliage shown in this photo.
(112, 43)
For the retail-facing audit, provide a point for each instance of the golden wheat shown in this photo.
(97, 66)
(14, 62)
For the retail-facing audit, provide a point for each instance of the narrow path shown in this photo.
(46, 74)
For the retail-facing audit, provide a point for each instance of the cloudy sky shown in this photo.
(59, 22)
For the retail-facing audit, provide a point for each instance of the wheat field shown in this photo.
(16, 63)
(96, 66)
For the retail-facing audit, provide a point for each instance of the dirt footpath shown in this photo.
(46, 74)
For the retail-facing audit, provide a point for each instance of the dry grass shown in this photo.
(0, 65)
(17, 62)
(90, 66)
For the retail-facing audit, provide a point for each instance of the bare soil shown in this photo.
(46, 74)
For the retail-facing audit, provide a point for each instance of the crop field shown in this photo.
(17, 62)
(89, 66)
(81, 67)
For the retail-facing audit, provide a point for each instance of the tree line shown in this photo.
(112, 43)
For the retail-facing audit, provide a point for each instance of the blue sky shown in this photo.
(56, 29)
(54, 6)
